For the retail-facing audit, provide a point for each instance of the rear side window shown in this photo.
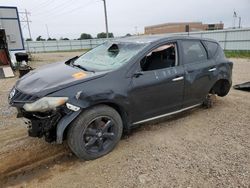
(194, 51)
(211, 47)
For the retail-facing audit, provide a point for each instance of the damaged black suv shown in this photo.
(91, 99)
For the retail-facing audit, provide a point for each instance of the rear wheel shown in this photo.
(95, 132)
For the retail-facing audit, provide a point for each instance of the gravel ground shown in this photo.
(198, 148)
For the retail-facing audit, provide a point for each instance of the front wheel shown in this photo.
(95, 132)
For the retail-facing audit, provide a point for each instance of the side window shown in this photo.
(211, 47)
(162, 57)
(194, 51)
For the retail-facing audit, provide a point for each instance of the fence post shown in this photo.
(70, 45)
(43, 46)
(90, 43)
(225, 40)
(57, 45)
(28, 46)
(81, 44)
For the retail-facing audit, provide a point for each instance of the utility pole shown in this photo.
(26, 20)
(136, 32)
(47, 30)
(106, 18)
(239, 22)
(234, 19)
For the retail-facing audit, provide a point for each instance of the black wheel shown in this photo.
(95, 132)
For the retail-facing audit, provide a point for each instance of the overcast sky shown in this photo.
(70, 18)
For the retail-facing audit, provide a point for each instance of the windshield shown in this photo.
(109, 56)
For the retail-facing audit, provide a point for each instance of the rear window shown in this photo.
(194, 51)
(211, 47)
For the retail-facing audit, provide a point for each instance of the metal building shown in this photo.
(9, 21)
(10, 24)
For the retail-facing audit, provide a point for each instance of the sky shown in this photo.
(70, 18)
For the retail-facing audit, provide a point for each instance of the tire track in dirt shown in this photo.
(25, 153)
(18, 151)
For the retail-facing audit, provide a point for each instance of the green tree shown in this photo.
(50, 39)
(64, 38)
(128, 35)
(39, 38)
(85, 36)
(103, 35)
(28, 39)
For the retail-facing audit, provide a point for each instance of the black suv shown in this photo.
(91, 99)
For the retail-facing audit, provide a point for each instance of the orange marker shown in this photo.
(79, 75)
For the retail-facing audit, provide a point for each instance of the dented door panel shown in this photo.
(199, 79)
(156, 92)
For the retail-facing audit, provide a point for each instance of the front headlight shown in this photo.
(45, 104)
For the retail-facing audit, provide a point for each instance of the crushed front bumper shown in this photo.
(50, 125)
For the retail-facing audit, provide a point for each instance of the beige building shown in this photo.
(181, 27)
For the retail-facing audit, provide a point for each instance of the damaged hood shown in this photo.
(53, 77)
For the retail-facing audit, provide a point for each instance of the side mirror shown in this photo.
(138, 74)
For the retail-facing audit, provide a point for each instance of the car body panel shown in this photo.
(155, 92)
(53, 77)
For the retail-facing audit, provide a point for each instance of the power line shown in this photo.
(71, 10)
(64, 4)
(44, 4)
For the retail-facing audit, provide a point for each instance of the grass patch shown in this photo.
(237, 53)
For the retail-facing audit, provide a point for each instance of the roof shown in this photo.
(154, 38)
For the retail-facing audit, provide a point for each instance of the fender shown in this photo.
(225, 72)
(62, 125)
(66, 120)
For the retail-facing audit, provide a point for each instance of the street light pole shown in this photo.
(106, 19)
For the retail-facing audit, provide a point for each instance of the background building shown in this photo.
(10, 23)
(182, 27)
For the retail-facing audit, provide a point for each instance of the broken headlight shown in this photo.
(45, 104)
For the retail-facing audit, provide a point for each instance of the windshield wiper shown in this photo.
(81, 67)
(72, 60)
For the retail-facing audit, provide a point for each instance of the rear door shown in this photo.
(199, 72)
(157, 89)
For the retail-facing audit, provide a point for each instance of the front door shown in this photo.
(157, 88)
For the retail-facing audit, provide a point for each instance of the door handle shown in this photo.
(178, 78)
(212, 70)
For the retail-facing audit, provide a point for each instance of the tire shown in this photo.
(95, 132)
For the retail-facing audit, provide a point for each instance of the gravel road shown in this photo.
(198, 148)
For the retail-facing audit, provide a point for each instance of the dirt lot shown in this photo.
(199, 148)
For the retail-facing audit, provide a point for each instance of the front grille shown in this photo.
(20, 97)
